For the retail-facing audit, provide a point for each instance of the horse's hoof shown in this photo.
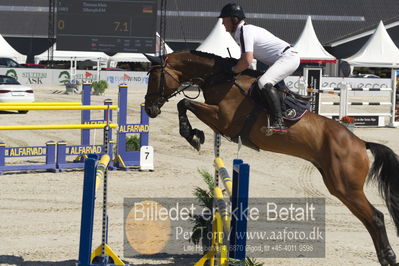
(387, 257)
(200, 135)
(196, 145)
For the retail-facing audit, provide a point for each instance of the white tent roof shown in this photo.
(378, 51)
(6, 50)
(138, 57)
(168, 50)
(69, 55)
(128, 57)
(218, 41)
(309, 46)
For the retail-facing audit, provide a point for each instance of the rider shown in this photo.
(258, 43)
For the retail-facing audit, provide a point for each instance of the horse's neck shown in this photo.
(193, 66)
(230, 91)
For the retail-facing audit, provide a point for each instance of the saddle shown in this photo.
(282, 87)
(293, 105)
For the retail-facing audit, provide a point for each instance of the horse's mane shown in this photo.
(223, 60)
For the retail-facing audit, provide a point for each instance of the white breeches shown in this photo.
(282, 68)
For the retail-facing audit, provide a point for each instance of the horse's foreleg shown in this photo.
(203, 111)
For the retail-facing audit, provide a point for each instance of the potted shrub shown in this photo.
(99, 87)
(203, 225)
(133, 143)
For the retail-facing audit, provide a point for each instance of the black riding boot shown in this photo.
(272, 99)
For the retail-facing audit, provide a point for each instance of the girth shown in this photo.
(246, 129)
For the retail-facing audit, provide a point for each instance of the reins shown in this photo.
(182, 89)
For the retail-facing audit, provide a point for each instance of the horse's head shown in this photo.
(177, 68)
(162, 82)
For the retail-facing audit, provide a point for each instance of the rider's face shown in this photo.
(228, 24)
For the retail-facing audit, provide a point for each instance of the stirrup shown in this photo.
(280, 129)
(278, 126)
(270, 130)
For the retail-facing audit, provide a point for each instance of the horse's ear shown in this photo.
(155, 60)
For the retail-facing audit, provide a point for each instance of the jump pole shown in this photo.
(42, 103)
(226, 227)
(66, 126)
(94, 171)
(54, 107)
(51, 151)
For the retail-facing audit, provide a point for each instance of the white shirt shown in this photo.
(266, 47)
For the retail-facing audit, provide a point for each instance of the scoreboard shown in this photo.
(107, 25)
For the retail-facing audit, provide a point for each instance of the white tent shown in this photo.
(71, 55)
(127, 57)
(158, 39)
(378, 51)
(218, 41)
(6, 50)
(309, 46)
(138, 57)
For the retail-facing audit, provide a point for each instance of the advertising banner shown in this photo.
(58, 77)
(293, 82)
(313, 80)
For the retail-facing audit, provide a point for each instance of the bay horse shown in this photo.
(338, 154)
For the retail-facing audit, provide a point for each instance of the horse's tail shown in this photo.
(385, 171)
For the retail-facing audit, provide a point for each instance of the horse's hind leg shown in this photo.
(205, 112)
(373, 220)
(345, 181)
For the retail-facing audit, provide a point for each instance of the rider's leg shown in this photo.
(272, 99)
(287, 63)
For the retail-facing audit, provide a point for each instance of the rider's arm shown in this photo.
(244, 62)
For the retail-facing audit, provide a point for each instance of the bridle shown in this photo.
(162, 98)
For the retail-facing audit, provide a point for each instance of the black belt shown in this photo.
(286, 48)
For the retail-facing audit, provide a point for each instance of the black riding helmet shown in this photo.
(232, 10)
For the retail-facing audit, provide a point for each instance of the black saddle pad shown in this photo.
(292, 109)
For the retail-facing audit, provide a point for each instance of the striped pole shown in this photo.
(223, 210)
(223, 173)
(352, 89)
(101, 168)
(358, 103)
(322, 91)
(104, 233)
